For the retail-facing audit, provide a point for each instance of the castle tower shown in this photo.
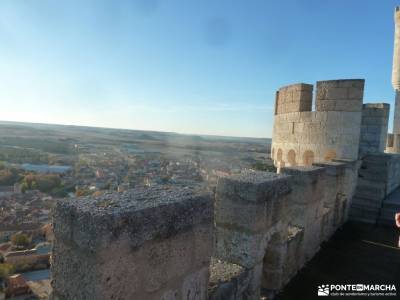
(302, 137)
(396, 71)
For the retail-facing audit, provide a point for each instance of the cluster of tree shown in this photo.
(6, 270)
(46, 183)
(260, 166)
(9, 176)
(21, 240)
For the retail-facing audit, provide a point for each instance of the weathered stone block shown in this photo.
(150, 243)
(326, 105)
(294, 98)
(232, 282)
(246, 207)
(305, 105)
(273, 279)
(355, 93)
(294, 251)
(333, 168)
(337, 93)
(348, 105)
(309, 183)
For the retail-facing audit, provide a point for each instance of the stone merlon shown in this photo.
(302, 137)
(147, 243)
(144, 214)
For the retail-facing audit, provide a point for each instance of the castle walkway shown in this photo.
(356, 253)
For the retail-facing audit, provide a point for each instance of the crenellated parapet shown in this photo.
(151, 243)
(302, 137)
(374, 128)
(345, 95)
(273, 224)
(256, 232)
(293, 98)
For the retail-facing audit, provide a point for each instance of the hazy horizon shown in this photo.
(130, 129)
(209, 67)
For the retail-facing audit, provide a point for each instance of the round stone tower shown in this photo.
(302, 137)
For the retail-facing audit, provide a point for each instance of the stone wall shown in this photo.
(302, 137)
(393, 143)
(250, 213)
(143, 244)
(294, 98)
(340, 95)
(379, 175)
(157, 243)
(374, 127)
(229, 281)
(272, 224)
(389, 140)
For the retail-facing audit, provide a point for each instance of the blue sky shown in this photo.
(204, 67)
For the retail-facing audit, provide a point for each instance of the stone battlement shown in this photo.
(149, 243)
(257, 231)
(294, 98)
(302, 137)
(374, 128)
